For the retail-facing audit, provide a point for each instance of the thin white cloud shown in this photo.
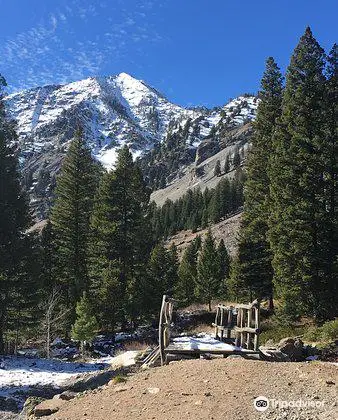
(54, 22)
(43, 55)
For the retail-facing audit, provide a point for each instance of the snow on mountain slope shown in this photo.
(112, 111)
(235, 113)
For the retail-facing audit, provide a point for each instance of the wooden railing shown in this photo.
(243, 320)
(165, 321)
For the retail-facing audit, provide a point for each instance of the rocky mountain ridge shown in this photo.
(113, 111)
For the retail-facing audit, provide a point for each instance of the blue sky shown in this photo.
(196, 52)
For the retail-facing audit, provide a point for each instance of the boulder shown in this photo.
(48, 407)
(66, 395)
(293, 348)
(272, 354)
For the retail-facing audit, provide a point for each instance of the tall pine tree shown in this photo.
(187, 274)
(224, 261)
(253, 271)
(17, 253)
(327, 292)
(161, 278)
(121, 239)
(208, 272)
(300, 214)
(70, 219)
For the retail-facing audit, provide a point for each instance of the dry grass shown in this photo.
(135, 346)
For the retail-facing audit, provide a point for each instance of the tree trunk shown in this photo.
(271, 305)
(2, 344)
(48, 340)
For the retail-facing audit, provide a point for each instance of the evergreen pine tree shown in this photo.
(120, 239)
(161, 278)
(205, 218)
(187, 274)
(85, 326)
(208, 278)
(70, 217)
(253, 271)
(217, 169)
(327, 292)
(236, 161)
(15, 246)
(215, 205)
(227, 164)
(299, 216)
(172, 272)
(223, 259)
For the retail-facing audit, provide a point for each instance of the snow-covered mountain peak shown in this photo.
(112, 111)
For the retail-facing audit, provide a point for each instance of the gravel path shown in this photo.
(213, 390)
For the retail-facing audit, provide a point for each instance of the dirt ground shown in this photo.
(213, 389)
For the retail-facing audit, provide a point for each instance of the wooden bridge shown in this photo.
(236, 332)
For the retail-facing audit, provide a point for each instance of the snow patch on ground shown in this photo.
(204, 342)
(17, 374)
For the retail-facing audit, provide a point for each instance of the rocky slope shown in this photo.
(113, 111)
(226, 230)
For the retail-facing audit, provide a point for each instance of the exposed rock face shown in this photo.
(113, 111)
(205, 150)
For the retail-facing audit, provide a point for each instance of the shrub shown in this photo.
(329, 330)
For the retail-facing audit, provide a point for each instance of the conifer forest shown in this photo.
(104, 256)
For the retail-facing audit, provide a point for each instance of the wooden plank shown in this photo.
(160, 331)
(228, 331)
(257, 325)
(237, 337)
(247, 306)
(246, 330)
(248, 336)
(151, 354)
(226, 327)
(215, 324)
(221, 321)
(241, 343)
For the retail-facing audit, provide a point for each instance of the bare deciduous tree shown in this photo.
(53, 316)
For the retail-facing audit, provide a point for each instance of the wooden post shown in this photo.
(228, 331)
(160, 331)
(248, 340)
(246, 330)
(257, 326)
(216, 322)
(237, 340)
(222, 322)
(243, 316)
